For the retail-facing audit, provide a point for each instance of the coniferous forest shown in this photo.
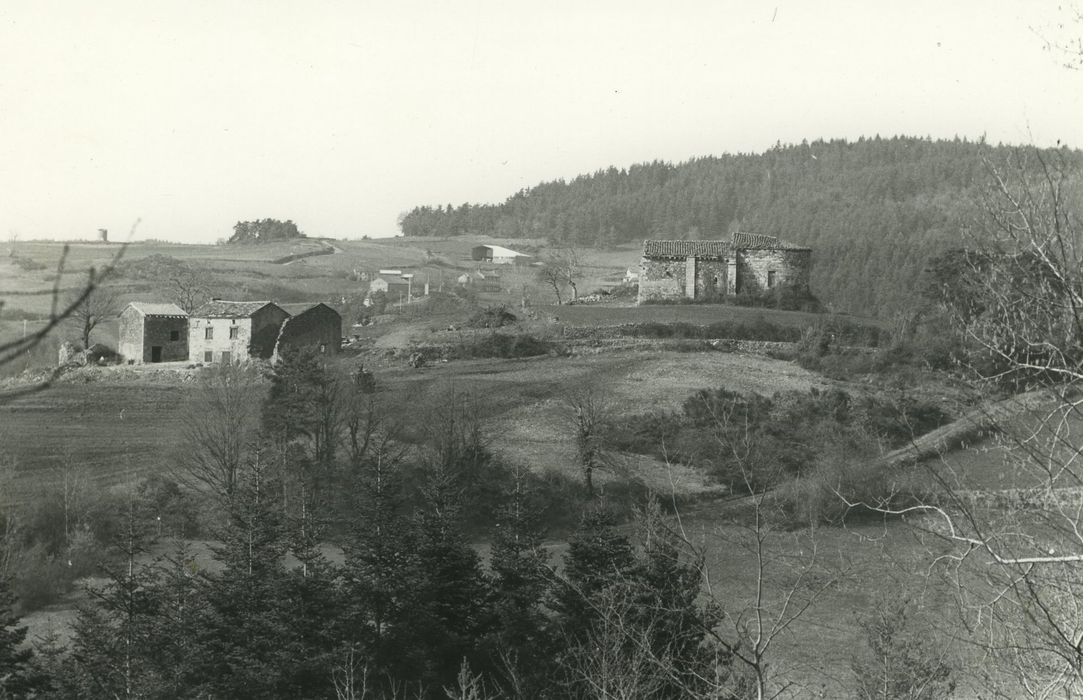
(874, 211)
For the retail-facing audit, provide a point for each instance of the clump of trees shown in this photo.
(264, 231)
(754, 442)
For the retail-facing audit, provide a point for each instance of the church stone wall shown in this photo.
(661, 279)
(745, 270)
(790, 267)
(711, 274)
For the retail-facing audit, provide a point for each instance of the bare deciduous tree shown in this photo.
(561, 268)
(188, 286)
(218, 426)
(1014, 556)
(589, 415)
(98, 305)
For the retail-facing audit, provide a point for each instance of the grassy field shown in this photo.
(111, 432)
(120, 424)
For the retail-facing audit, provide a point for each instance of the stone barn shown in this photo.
(153, 333)
(748, 263)
(311, 325)
(232, 331)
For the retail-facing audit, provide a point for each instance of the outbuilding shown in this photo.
(153, 333)
(314, 325)
(498, 255)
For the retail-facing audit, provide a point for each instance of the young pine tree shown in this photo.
(15, 659)
(256, 644)
(521, 645)
(452, 612)
(115, 633)
(381, 571)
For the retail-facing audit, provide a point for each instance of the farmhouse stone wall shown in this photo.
(170, 334)
(130, 343)
(204, 349)
(255, 336)
(140, 334)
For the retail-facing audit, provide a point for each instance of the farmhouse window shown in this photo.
(208, 333)
(234, 333)
(770, 279)
(208, 356)
(174, 335)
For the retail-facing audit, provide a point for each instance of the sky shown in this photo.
(188, 116)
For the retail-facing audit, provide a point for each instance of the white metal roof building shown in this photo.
(498, 255)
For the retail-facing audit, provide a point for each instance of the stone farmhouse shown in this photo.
(748, 263)
(225, 331)
(153, 333)
(229, 331)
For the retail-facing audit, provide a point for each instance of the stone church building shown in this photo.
(748, 263)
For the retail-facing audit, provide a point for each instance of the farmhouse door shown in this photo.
(156, 353)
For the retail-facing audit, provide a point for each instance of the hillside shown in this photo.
(873, 211)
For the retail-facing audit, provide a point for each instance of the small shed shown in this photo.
(480, 281)
(395, 288)
(314, 325)
(153, 333)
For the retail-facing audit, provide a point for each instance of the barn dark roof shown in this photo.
(685, 249)
(220, 308)
(148, 309)
(301, 307)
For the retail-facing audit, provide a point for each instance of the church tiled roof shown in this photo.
(715, 249)
(685, 249)
(760, 241)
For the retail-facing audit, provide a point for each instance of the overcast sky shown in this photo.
(341, 115)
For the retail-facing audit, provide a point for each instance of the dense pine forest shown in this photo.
(874, 211)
